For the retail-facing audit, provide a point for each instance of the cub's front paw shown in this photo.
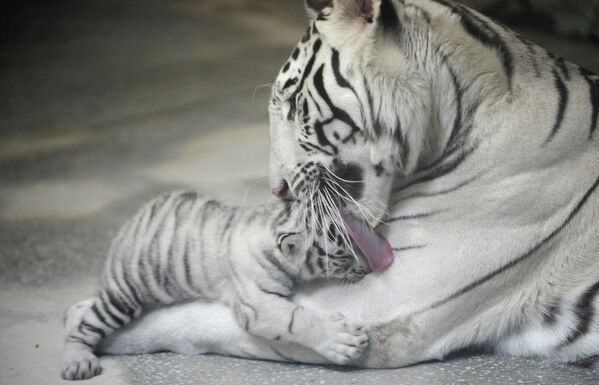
(343, 341)
(80, 365)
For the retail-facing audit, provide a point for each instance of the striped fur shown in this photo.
(184, 246)
(477, 149)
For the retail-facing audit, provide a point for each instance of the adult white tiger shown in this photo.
(484, 144)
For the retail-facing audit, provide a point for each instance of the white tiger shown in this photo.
(185, 246)
(484, 147)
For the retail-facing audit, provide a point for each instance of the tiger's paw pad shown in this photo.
(84, 367)
(344, 341)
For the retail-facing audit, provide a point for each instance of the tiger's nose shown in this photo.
(283, 192)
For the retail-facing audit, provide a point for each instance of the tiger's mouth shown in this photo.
(323, 193)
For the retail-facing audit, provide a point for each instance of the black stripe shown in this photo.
(314, 102)
(336, 65)
(281, 355)
(411, 217)
(308, 262)
(276, 275)
(561, 64)
(172, 282)
(594, 96)
(110, 313)
(305, 74)
(99, 315)
(154, 256)
(241, 314)
(517, 260)
(270, 257)
(550, 313)
(92, 329)
(252, 308)
(312, 147)
(82, 341)
(403, 144)
(585, 312)
(406, 248)
(376, 123)
(441, 192)
(270, 292)
(307, 35)
(229, 223)
(123, 287)
(320, 263)
(459, 95)
(292, 320)
(142, 271)
(318, 125)
(129, 283)
(208, 206)
(283, 215)
(531, 53)
(290, 82)
(119, 304)
(145, 274)
(187, 266)
(338, 114)
(321, 17)
(482, 31)
(438, 170)
(563, 94)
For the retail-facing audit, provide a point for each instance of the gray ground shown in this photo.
(107, 103)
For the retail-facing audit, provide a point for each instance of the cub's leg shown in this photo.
(275, 318)
(87, 323)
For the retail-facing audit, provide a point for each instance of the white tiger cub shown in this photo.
(183, 246)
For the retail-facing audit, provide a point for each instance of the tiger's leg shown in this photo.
(87, 323)
(199, 328)
(277, 319)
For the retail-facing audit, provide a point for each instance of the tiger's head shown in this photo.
(336, 125)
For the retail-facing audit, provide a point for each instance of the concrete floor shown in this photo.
(107, 103)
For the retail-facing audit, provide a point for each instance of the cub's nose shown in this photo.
(283, 192)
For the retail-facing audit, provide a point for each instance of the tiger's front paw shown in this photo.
(343, 341)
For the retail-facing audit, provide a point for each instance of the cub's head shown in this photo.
(322, 258)
(335, 121)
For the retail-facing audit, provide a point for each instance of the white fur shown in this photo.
(523, 189)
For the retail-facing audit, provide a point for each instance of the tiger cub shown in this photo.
(183, 246)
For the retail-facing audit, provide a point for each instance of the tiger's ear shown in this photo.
(313, 7)
(354, 9)
(357, 9)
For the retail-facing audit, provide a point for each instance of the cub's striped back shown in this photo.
(183, 246)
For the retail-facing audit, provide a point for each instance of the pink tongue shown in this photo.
(375, 248)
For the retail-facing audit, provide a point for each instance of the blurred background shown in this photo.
(576, 18)
(106, 103)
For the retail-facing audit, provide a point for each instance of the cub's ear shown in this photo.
(354, 9)
(289, 243)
